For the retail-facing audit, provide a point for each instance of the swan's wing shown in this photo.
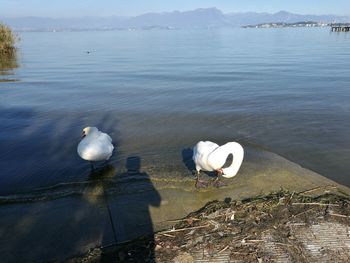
(91, 150)
(96, 147)
(205, 147)
(106, 140)
(105, 136)
(201, 152)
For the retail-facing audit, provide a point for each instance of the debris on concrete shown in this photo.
(312, 226)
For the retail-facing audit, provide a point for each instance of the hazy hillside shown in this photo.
(282, 16)
(199, 18)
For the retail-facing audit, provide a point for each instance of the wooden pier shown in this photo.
(340, 28)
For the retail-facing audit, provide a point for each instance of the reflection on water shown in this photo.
(8, 62)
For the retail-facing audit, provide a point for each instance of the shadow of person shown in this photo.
(129, 205)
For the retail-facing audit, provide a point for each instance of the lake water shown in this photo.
(159, 92)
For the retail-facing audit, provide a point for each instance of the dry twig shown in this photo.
(304, 212)
(222, 250)
(183, 229)
(320, 204)
(339, 215)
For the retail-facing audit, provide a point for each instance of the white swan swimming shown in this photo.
(95, 145)
(208, 156)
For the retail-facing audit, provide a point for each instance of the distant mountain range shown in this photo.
(198, 18)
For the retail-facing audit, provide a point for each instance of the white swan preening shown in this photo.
(95, 145)
(208, 156)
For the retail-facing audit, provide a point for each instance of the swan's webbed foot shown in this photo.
(200, 183)
(218, 183)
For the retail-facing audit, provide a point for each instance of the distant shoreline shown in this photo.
(283, 24)
(297, 24)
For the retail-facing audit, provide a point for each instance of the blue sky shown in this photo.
(76, 8)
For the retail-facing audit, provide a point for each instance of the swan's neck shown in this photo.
(218, 157)
(89, 137)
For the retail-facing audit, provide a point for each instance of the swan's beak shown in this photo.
(83, 135)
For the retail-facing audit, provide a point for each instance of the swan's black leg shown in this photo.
(92, 166)
(200, 183)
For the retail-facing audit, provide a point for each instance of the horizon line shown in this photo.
(169, 12)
